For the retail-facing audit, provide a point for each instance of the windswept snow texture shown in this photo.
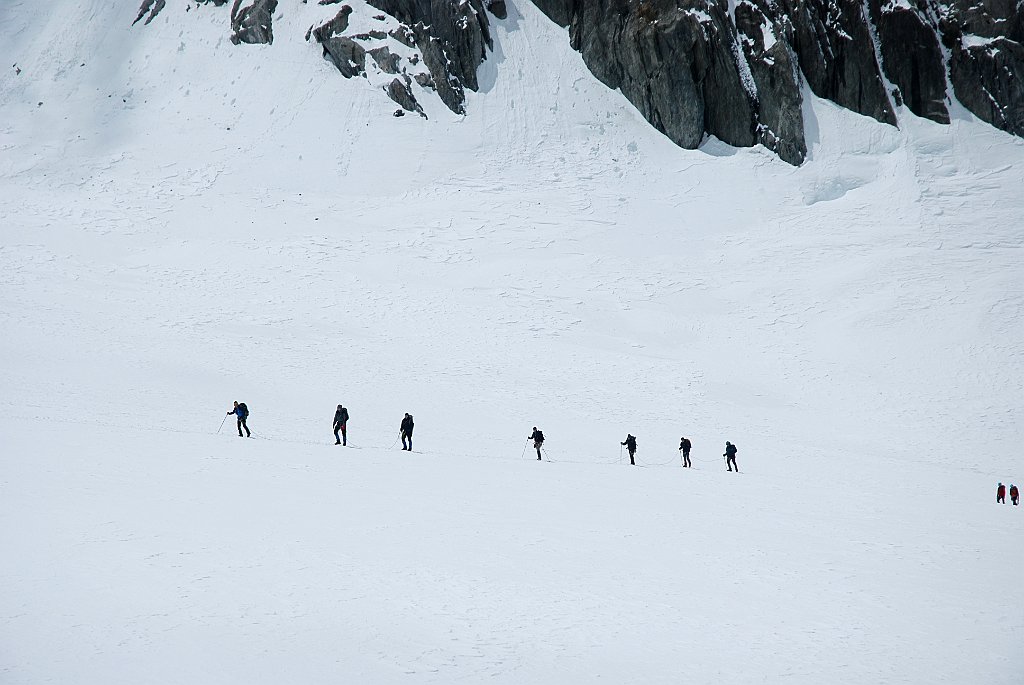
(184, 225)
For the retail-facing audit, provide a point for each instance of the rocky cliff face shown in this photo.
(734, 69)
(729, 68)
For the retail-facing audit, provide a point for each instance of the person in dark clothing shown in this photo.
(730, 456)
(406, 429)
(684, 447)
(538, 440)
(1014, 494)
(630, 444)
(1000, 494)
(340, 424)
(242, 413)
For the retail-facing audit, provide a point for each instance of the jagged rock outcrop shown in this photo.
(685, 67)
(987, 59)
(253, 23)
(151, 6)
(773, 66)
(836, 51)
(453, 38)
(912, 59)
(400, 91)
(680, 61)
(346, 54)
(385, 59)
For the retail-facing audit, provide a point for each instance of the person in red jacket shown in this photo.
(1014, 494)
(1000, 494)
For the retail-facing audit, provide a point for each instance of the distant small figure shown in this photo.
(1000, 494)
(684, 447)
(730, 456)
(241, 412)
(340, 424)
(630, 444)
(1014, 494)
(406, 429)
(538, 440)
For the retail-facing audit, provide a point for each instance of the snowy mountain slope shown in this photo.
(184, 225)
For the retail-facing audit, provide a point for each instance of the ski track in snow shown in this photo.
(186, 222)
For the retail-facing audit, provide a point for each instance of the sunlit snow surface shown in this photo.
(185, 222)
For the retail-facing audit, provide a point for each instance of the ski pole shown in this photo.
(222, 423)
(395, 442)
(525, 445)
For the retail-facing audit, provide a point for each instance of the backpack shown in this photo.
(245, 410)
(540, 436)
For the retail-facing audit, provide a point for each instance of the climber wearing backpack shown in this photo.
(730, 456)
(242, 413)
(1014, 494)
(630, 444)
(1000, 494)
(406, 431)
(340, 424)
(684, 448)
(538, 441)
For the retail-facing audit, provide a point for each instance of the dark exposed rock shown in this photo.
(836, 51)
(252, 23)
(424, 80)
(987, 59)
(334, 27)
(385, 59)
(404, 35)
(328, 2)
(347, 55)
(912, 60)
(680, 63)
(449, 87)
(558, 11)
(151, 6)
(773, 66)
(399, 91)
(453, 37)
(989, 80)
(497, 8)
(371, 35)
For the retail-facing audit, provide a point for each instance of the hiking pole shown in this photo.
(222, 423)
(525, 445)
(620, 453)
(395, 442)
